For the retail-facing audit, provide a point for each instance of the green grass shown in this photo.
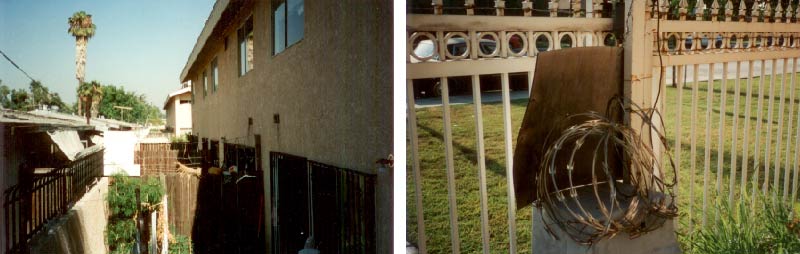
(434, 181)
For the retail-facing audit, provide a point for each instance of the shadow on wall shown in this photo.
(230, 208)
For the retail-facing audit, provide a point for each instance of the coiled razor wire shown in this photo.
(640, 203)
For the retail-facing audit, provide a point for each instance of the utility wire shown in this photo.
(15, 65)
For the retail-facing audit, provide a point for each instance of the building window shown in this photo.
(214, 75)
(205, 84)
(185, 101)
(245, 35)
(287, 23)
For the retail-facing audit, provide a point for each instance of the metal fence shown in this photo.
(477, 49)
(736, 138)
(29, 206)
(342, 201)
(737, 62)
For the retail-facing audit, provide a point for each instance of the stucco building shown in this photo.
(309, 88)
(179, 111)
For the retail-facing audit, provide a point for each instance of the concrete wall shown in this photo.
(332, 90)
(82, 230)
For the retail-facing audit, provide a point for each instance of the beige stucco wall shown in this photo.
(331, 90)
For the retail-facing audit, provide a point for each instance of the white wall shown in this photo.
(119, 153)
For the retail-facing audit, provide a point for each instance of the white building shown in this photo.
(179, 111)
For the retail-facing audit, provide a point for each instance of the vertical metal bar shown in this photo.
(734, 157)
(707, 144)
(759, 112)
(769, 128)
(512, 225)
(451, 178)
(787, 172)
(412, 128)
(796, 138)
(693, 152)
(476, 99)
(721, 134)
(779, 133)
(678, 129)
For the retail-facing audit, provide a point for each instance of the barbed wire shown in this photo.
(638, 204)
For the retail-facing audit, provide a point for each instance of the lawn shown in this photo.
(434, 181)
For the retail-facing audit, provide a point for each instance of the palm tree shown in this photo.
(88, 95)
(82, 28)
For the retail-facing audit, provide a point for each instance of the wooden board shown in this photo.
(566, 82)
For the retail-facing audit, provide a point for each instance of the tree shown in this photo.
(20, 100)
(82, 28)
(5, 102)
(141, 111)
(88, 93)
(40, 95)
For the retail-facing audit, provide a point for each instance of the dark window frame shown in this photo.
(244, 32)
(286, 43)
(214, 75)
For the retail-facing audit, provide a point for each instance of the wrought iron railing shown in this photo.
(342, 218)
(28, 207)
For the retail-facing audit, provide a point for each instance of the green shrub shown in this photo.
(772, 229)
(179, 139)
(121, 228)
(182, 245)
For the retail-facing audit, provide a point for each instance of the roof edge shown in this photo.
(208, 28)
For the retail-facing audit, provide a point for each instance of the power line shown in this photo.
(15, 65)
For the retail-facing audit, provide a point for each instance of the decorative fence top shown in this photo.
(723, 27)
(455, 35)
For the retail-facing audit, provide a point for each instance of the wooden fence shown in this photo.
(156, 158)
(182, 192)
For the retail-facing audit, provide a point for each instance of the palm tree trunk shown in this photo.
(80, 64)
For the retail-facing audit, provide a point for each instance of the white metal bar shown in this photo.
(707, 162)
(759, 112)
(412, 128)
(451, 179)
(669, 60)
(476, 99)
(779, 133)
(468, 67)
(734, 157)
(745, 143)
(787, 172)
(512, 224)
(768, 136)
(427, 22)
(796, 138)
(678, 130)
(667, 26)
(693, 152)
(721, 134)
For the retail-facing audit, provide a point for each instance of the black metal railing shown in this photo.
(342, 218)
(29, 206)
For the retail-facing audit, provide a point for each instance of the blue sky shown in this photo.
(141, 45)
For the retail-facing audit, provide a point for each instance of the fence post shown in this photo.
(638, 72)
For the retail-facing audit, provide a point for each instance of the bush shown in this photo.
(121, 228)
(181, 245)
(772, 229)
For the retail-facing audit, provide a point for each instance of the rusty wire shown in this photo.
(638, 203)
